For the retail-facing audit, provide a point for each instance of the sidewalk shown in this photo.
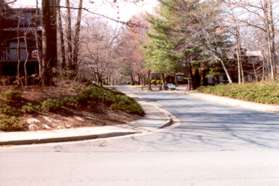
(155, 119)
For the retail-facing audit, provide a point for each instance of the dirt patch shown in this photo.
(74, 119)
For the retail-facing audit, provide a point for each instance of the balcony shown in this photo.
(10, 56)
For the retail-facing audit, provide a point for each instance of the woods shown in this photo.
(213, 41)
(206, 35)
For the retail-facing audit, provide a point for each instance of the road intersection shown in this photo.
(213, 145)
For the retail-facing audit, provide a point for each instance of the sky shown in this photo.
(106, 7)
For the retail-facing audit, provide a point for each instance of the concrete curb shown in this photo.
(167, 114)
(236, 102)
(65, 139)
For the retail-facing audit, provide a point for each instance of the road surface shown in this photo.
(211, 145)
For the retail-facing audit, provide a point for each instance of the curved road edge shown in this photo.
(163, 119)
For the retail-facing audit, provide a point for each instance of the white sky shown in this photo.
(106, 7)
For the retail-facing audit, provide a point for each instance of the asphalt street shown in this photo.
(209, 145)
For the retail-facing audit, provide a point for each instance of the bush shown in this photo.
(8, 110)
(153, 81)
(52, 105)
(72, 101)
(99, 94)
(10, 123)
(129, 108)
(267, 93)
(30, 108)
(112, 98)
(11, 96)
(127, 104)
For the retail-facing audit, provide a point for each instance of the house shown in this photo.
(252, 63)
(20, 41)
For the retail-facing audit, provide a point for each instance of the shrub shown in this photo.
(98, 94)
(129, 108)
(267, 93)
(153, 81)
(8, 110)
(127, 104)
(30, 108)
(159, 82)
(112, 98)
(10, 123)
(11, 96)
(51, 105)
(72, 101)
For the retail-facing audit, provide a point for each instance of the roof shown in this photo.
(255, 53)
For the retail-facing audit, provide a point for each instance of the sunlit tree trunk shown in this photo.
(26, 60)
(69, 35)
(77, 36)
(61, 36)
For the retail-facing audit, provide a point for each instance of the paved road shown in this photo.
(213, 145)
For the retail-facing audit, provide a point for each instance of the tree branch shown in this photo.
(127, 23)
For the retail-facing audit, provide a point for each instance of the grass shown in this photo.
(13, 106)
(263, 92)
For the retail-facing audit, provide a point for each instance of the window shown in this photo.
(26, 19)
(13, 51)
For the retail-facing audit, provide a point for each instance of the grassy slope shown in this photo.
(264, 92)
(14, 105)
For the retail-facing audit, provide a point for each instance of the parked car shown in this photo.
(170, 86)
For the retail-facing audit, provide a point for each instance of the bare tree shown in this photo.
(77, 36)
(263, 20)
(69, 35)
(61, 36)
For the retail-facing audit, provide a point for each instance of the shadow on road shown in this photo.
(204, 123)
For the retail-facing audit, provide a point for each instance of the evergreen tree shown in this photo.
(185, 33)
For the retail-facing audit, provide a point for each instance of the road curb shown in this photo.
(166, 113)
(65, 139)
(171, 118)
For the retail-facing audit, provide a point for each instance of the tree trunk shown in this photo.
(238, 55)
(238, 67)
(69, 35)
(188, 73)
(18, 54)
(255, 72)
(76, 37)
(163, 83)
(225, 70)
(37, 42)
(49, 41)
(132, 79)
(175, 79)
(61, 36)
(149, 80)
(270, 36)
(26, 60)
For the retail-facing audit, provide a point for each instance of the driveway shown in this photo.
(209, 145)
